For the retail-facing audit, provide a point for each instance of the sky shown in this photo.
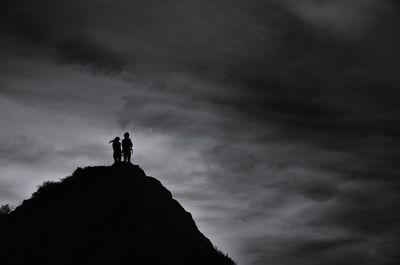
(275, 123)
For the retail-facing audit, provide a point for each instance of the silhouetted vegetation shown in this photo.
(5, 209)
(105, 215)
(46, 187)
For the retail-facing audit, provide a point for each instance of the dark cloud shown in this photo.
(276, 122)
(22, 149)
(92, 54)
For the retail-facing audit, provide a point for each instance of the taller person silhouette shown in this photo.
(127, 148)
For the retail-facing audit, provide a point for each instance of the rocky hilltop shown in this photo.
(104, 215)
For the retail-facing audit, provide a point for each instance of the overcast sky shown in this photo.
(276, 123)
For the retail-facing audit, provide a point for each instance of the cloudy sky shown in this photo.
(276, 123)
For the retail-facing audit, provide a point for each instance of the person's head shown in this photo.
(126, 135)
(116, 139)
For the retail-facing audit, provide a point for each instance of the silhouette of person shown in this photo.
(127, 147)
(116, 144)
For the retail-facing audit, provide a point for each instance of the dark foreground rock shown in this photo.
(104, 215)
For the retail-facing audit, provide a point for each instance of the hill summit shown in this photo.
(104, 215)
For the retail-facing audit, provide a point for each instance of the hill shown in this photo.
(104, 215)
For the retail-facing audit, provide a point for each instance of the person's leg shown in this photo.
(129, 157)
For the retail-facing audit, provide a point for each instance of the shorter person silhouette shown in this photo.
(127, 148)
(117, 149)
